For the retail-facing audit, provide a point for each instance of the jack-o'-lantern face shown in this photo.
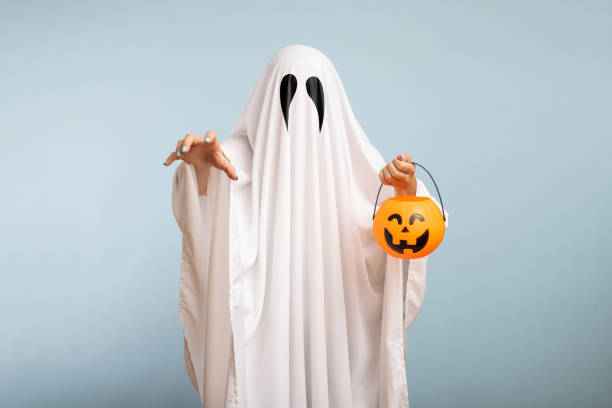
(399, 235)
(408, 227)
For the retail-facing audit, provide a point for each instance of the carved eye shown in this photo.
(395, 217)
(417, 217)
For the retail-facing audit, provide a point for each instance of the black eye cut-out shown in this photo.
(397, 218)
(315, 91)
(415, 216)
(288, 87)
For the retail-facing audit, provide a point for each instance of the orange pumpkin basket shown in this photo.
(409, 227)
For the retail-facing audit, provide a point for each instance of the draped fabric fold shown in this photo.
(286, 300)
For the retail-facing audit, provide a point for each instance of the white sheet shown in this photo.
(286, 300)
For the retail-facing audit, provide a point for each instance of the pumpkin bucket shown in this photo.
(409, 227)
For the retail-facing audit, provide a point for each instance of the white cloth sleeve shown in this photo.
(190, 213)
(187, 354)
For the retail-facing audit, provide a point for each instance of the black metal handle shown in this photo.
(432, 179)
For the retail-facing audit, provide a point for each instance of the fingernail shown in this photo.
(207, 139)
(178, 154)
(184, 148)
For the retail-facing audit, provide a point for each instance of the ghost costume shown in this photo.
(285, 298)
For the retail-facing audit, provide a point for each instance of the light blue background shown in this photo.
(507, 103)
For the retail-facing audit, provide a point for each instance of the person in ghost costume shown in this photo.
(285, 298)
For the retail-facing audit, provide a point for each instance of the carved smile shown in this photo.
(403, 245)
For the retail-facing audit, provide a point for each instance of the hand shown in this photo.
(400, 174)
(202, 152)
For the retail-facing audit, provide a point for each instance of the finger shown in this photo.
(404, 157)
(210, 140)
(397, 175)
(190, 140)
(404, 167)
(231, 172)
(228, 168)
(387, 177)
(170, 159)
(178, 149)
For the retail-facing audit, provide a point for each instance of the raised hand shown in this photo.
(202, 152)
